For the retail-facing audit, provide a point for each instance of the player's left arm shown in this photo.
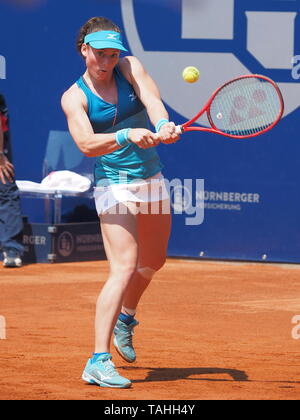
(148, 92)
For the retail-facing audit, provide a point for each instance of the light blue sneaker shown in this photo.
(123, 340)
(103, 372)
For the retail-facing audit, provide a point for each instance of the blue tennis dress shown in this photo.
(130, 162)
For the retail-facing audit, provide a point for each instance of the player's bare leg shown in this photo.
(153, 237)
(119, 233)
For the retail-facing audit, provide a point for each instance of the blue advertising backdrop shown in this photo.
(251, 188)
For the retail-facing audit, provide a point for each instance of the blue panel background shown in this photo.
(38, 44)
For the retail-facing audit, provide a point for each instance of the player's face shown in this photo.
(101, 63)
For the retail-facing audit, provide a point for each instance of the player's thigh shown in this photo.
(120, 237)
(153, 236)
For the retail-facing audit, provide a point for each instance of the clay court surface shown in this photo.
(207, 331)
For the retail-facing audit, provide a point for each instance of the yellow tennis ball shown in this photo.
(190, 74)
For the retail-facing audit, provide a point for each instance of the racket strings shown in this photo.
(245, 107)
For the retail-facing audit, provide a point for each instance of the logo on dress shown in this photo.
(132, 96)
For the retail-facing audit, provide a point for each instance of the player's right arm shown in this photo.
(74, 105)
(92, 145)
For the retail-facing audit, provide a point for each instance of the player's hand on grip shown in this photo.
(167, 134)
(6, 169)
(143, 138)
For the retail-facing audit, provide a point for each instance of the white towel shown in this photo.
(57, 181)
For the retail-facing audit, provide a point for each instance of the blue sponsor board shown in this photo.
(62, 243)
(37, 241)
(251, 188)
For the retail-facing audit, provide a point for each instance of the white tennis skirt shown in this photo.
(148, 190)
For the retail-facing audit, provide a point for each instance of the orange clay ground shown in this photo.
(207, 331)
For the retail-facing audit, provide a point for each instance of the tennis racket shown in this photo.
(244, 107)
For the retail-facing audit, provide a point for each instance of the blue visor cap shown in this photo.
(105, 39)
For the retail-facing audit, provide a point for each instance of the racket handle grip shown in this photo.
(178, 130)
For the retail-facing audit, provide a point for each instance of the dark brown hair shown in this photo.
(95, 24)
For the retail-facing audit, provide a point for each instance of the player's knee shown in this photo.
(124, 271)
(129, 269)
(149, 272)
(146, 272)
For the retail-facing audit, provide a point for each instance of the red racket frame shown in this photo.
(186, 127)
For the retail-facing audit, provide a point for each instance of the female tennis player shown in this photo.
(107, 111)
